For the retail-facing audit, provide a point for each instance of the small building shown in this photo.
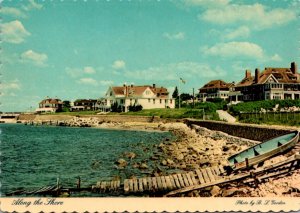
(215, 89)
(271, 83)
(50, 105)
(83, 105)
(149, 97)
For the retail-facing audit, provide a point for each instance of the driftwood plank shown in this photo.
(149, 180)
(163, 181)
(216, 170)
(200, 176)
(168, 182)
(130, 185)
(186, 181)
(118, 183)
(154, 183)
(223, 180)
(176, 181)
(181, 181)
(189, 179)
(221, 168)
(172, 182)
(205, 176)
(145, 185)
(210, 174)
(192, 174)
(135, 185)
(159, 183)
(141, 188)
(111, 187)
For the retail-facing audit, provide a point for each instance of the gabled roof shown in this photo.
(246, 81)
(137, 91)
(51, 101)
(218, 84)
(85, 101)
(282, 75)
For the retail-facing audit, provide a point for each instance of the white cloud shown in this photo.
(78, 72)
(186, 70)
(176, 36)
(89, 70)
(235, 49)
(32, 5)
(14, 32)
(276, 57)
(35, 58)
(241, 32)
(89, 81)
(206, 3)
(11, 11)
(12, 85)
(256, 15)
(106, 82)
(119, 64)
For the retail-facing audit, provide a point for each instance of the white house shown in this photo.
(149, 97)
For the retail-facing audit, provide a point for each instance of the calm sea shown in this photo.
(33, 157)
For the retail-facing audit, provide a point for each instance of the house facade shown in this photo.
(215, 89)
(271, 83)
(84, 104)
(149, 97)
(50, 105)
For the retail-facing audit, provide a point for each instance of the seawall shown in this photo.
(249, 131)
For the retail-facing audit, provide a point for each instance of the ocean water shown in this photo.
(35, 156)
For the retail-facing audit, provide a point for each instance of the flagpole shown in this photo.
(179, 94)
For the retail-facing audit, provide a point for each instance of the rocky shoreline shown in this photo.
(194, 147)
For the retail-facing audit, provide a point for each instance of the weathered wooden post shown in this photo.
(78, 183)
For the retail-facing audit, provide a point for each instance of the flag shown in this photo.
(183, 81)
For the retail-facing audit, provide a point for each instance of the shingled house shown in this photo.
(215, 89)
(149, 97)
(84, 104)
(271, 83)
(50, 105)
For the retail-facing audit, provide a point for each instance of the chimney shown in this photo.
(294, 67)
(248, 74)
(153, 86)
(257, 73)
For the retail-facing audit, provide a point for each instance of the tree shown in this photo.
(66, 106)
(185, 97)
(175, 93)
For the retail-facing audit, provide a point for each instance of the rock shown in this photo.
(180, 156)
(170, 162)
(215, 191)
(143, 166)
(122, 163)
(130, 155)
(164, 162)
(229, 192)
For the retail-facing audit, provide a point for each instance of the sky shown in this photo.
(77, 49)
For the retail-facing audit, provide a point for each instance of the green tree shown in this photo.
(66, 106)
(175, 93)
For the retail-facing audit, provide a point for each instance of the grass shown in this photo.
(162, 113)
(278, 118)
(169, 113)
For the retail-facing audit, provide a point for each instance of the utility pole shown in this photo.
(179, 95)
(193, 97)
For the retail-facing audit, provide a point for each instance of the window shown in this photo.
(170, 101)
(166, 101)
(160, 101)
(153, 101)
(148, 100)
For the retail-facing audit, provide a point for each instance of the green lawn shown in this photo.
(162, 113)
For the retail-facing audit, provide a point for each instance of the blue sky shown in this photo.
(77, 49)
